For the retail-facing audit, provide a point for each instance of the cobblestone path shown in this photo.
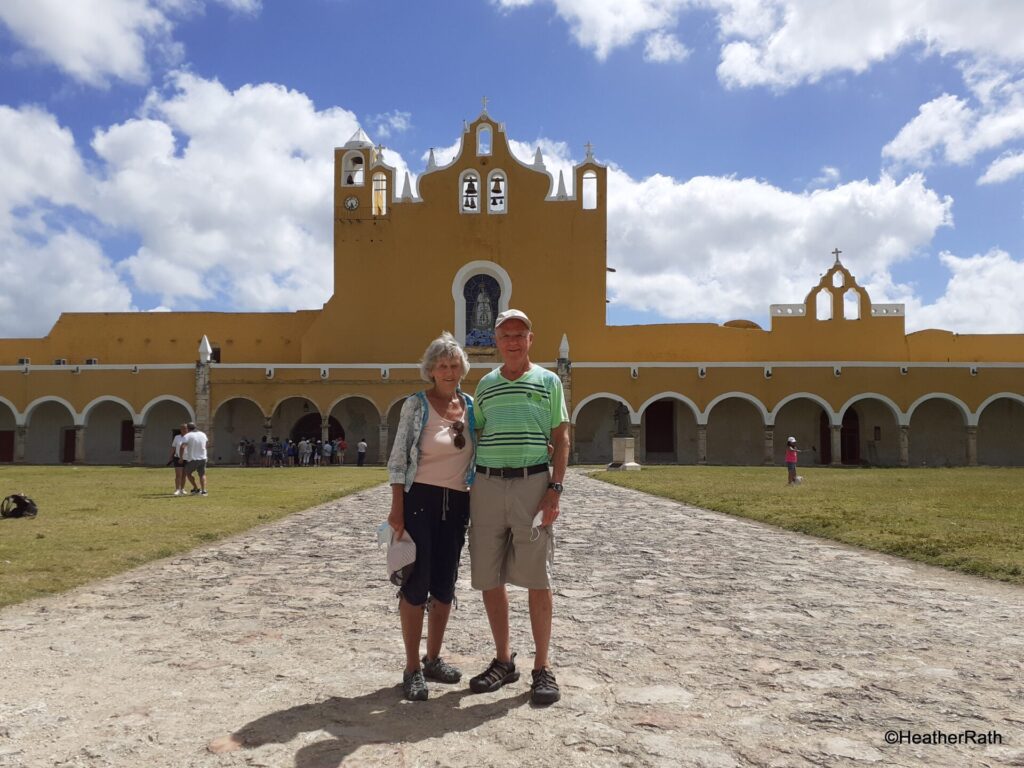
(682, 638)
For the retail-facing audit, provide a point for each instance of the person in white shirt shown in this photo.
(177, 462)
(193, 450)
(361, 447)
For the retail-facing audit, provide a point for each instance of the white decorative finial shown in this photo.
(484, 110)
(380, 153)
(563, 348)
(561, 187)
(538, 159)
(405, 188)
(205, 350)
(590, 152)
(431, 162)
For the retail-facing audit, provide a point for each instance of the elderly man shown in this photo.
(520, 409)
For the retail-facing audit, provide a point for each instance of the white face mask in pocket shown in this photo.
(535, 528)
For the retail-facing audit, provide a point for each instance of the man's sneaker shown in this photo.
(415, 686)
(178, 492)
(499, 673)
(194, 492)
(440, 670)
(203, 493)
(544, 689)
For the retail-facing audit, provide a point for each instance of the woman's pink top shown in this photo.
(441, 463)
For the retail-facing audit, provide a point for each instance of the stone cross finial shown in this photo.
(484, 102)
(380, 153)
(590, 150)
(836, 253)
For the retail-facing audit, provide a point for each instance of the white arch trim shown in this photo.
(902, 419)
(228, 399)
(992, 398)
(668, 396)
(360, 396)
(969, 417)
(18, 416)
(469, 270)
(144, 413)
(110, 399)
(702, 418)
(396, 401)
(634, 417)
(286, 398)
(75, 415)
(825, 405)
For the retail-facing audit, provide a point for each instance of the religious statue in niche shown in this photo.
(481, 293)
(622, 424)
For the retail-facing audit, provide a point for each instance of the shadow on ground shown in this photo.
(381, 717)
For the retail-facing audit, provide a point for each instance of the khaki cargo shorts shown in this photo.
(503, 547)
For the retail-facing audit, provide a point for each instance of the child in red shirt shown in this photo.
(791, 459)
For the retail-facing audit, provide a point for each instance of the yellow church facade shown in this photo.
(484, 233)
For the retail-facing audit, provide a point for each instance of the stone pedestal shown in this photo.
(623, 453)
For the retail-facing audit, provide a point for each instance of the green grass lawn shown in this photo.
(98, 521)
(969, 519)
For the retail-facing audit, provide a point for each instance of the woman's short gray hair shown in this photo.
(443, 347)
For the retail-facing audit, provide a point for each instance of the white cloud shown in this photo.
(392, 122)
(982, 296)
(1004, 168)
(46, 267)
(726, 248)
(663, 47)
(239, 208)
(95, 41)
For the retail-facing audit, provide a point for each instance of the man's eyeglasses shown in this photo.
(460, 439)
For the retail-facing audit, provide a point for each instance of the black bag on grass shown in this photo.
(18, 505)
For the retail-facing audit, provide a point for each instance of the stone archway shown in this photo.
(879, 432)
(162, 422)
(8, 431)
(668, 432)
(51, 434)
(800, 418)
(938, 435)
(109, 434)
(1000, 427)
(236, 419)
(594, 429)
(359, 417)
(735, 433)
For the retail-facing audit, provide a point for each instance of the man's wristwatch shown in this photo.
(556, 487)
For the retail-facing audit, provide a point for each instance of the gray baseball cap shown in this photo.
(513, 314)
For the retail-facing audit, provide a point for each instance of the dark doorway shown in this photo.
(68, 456)
(825, 439)
(849, 438)
(660, 427)
(6, 445)
(309, 427)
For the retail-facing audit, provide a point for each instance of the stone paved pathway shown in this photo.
(682, 638)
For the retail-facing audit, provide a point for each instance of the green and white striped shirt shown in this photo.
(517, 417)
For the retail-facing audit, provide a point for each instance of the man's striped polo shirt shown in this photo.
(517, 417)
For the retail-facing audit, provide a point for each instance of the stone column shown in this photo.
(769, 445)
(325, 430)
(79, 444)
(382, 451)
(972, 446)
(837, 444)
(20, 436)
(268, 427)
(139, 430)
(702, 443)
(904, 445)
(203, 396)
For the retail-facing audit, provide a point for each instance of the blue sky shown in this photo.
(176, 154)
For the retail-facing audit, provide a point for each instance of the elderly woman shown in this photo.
(431, 468)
